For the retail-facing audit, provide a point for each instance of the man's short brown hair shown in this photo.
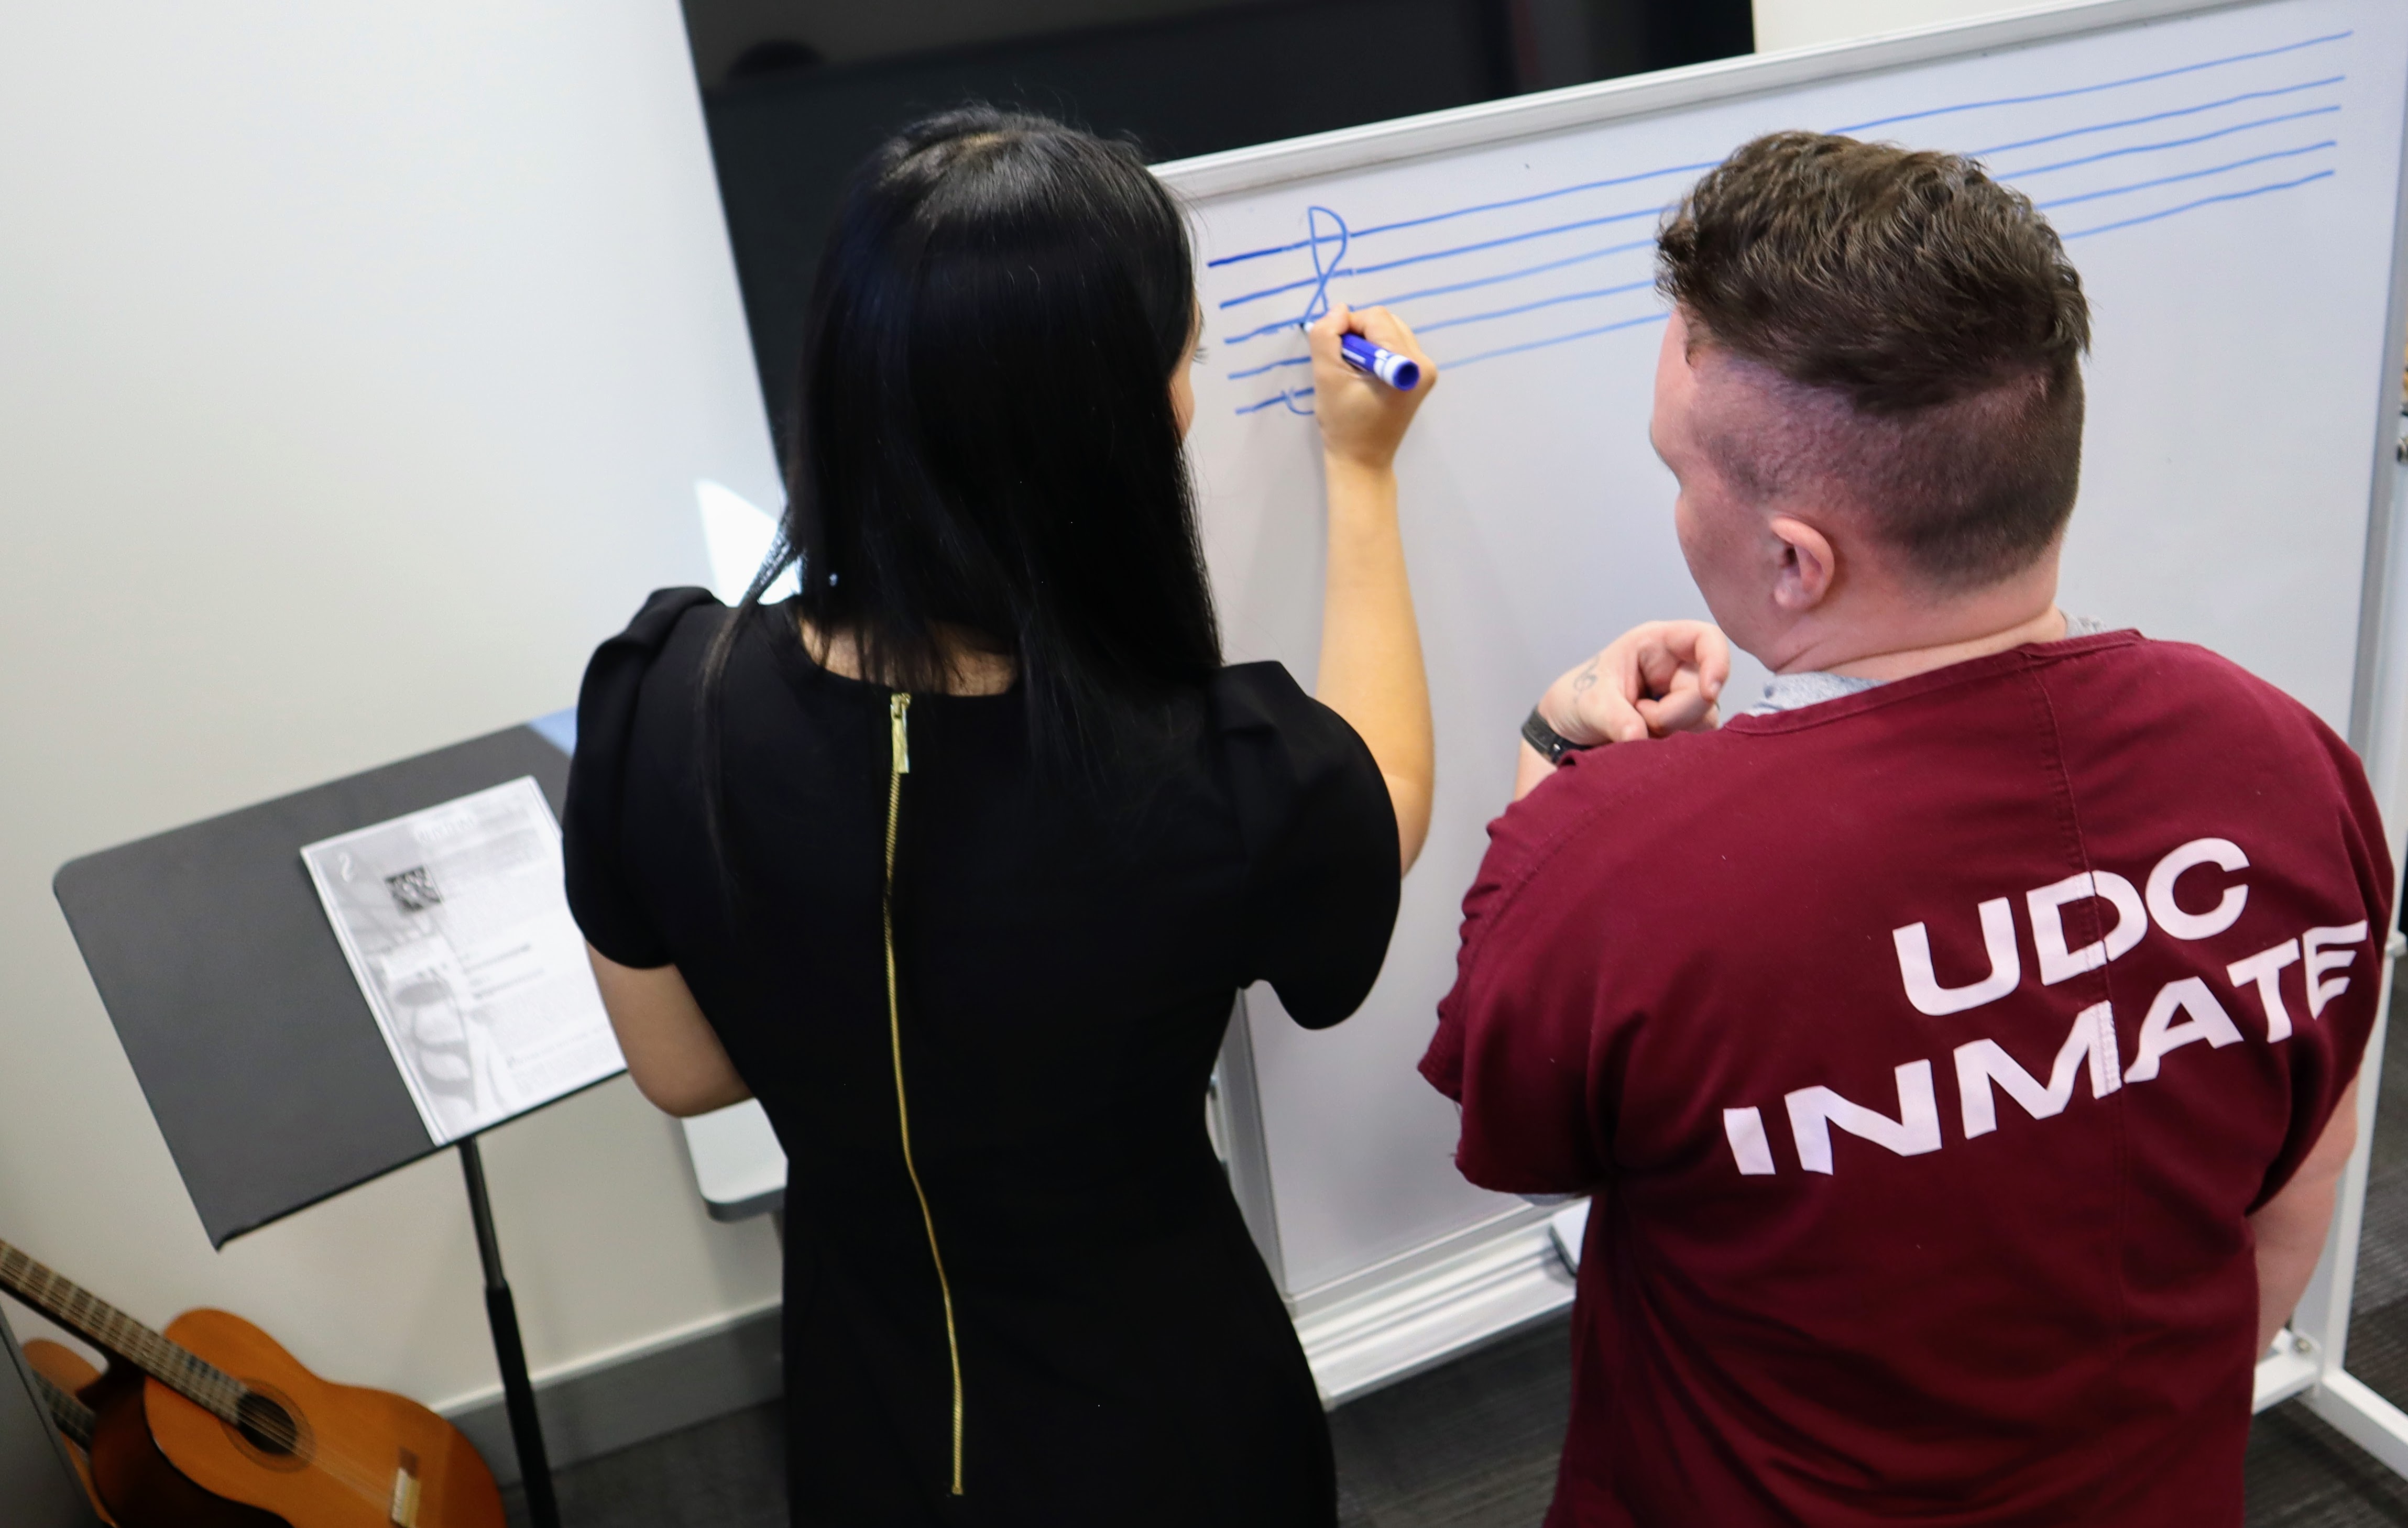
(1925, 313)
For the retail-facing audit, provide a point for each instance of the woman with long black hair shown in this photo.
(957, 860)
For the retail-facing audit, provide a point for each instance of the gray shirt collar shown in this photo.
(1791, 692)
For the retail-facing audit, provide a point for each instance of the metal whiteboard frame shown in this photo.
(1480, 1284)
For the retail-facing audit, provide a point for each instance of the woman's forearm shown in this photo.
(670, 1049)
(1370, 649)
(1371, 670)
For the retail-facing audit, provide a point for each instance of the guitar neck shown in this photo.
(114, 1332)
(75, 1420)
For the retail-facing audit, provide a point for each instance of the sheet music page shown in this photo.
(456, 924)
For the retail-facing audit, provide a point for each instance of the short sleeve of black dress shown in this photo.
(600, 895)
(1321, 843)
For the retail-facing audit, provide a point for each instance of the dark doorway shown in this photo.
(796, 91)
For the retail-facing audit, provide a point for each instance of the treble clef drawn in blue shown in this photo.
(1322, 226)
(1323, 269)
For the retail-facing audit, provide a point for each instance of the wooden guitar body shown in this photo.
(66, 1369)
(139, 1487)
(113, 1436)
(348, 1458)
(62, 1367)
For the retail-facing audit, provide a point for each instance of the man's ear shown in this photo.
(1808, 564)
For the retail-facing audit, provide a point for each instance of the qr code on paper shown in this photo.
(413, 890)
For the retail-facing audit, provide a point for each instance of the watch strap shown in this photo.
(1551, 744)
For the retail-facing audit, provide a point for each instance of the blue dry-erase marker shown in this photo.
(1387, 365)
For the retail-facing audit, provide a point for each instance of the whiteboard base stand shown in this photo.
(2317, 1365)
(502, 1313)
(2287, 1370)
(1421, 1309)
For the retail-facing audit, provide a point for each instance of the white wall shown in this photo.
(356, 364)
(1800, 23)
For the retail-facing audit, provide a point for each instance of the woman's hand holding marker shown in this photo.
(1399, 372)
(1371, 648)
(1362, 419)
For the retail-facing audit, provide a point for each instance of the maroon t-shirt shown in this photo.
(1924, 1051)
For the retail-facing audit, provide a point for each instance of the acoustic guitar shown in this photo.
(58, 1375)
(211, 1425)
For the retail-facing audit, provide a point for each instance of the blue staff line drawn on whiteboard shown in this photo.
(1520, 273)
(1561, 339)
(2153, 148)
(1270, 366)
(2090, 90)
(1290, 394)
(2204, 201)
(1677, 169)
(1345, 237)
(1320, 279)
(1287, 397)
(1476, 318)
(2158, 116)
(2187, 175)
(1468, 211)
(1970, 105)
(1335, 247)
(1543, 302)
(1512, 276)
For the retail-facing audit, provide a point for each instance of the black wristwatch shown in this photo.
(1551, 744)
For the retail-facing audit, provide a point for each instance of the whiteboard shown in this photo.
(2225, 179)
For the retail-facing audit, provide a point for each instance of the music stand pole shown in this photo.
(502, 1312)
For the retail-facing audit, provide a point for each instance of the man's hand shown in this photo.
(1654, 680)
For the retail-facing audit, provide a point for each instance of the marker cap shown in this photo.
(1399, 372)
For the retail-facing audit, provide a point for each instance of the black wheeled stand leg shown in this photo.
(518, 1390)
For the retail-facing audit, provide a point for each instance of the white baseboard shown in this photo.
(1423, 1307)
(1389, 1323)
(617, 1399)
(1397, 1319)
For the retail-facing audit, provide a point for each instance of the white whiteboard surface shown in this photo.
(2227, 182)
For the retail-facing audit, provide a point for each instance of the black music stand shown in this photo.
(248, 1034)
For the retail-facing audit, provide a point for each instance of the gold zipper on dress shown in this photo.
(898, 710)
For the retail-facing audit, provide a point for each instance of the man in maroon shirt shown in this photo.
(1959, 1048)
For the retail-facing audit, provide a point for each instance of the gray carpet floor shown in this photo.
(1473, 1444)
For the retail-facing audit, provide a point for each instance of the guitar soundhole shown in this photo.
(266, 1426)
(270, 1430)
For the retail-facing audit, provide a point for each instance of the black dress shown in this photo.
(1065, 971)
